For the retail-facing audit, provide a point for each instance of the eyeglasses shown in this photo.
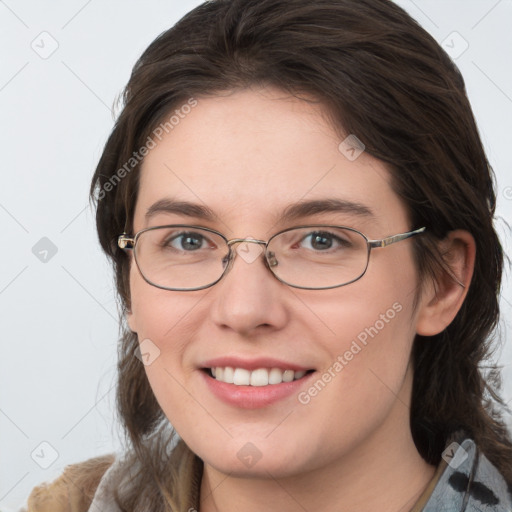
(181, 257)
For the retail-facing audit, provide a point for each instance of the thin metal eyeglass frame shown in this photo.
(126, 242)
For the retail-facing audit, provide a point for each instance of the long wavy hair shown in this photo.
(381, 77)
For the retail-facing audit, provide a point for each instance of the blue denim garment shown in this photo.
(469, 483)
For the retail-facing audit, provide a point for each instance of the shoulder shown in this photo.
(469, 482)
(73, 490)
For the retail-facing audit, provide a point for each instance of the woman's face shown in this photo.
(247, 157)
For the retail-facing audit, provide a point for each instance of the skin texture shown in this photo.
(247, 155)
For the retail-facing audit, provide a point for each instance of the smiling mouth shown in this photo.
(259, 377)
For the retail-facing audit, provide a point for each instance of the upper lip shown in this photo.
(253, 364)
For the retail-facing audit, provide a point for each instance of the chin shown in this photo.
(261, 469)
(247, 460)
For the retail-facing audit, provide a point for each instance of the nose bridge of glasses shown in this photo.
(269, 256)
(240, 240)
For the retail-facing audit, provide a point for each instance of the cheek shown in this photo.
(377, 306)
(163, 319)
(369, 329)
(371, 337)
(365, 371)
(151, 308)
(162, 324)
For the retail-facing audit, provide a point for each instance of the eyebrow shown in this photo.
(292, 212)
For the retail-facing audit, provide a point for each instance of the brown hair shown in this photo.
(381, 77)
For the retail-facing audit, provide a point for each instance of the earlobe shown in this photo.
(441, 301)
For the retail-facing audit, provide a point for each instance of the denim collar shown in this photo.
(469, 483)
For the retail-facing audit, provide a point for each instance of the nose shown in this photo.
(249, 296)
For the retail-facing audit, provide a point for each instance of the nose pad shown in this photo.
(271, 259)
(228, 260)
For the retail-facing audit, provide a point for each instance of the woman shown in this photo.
(299, 213)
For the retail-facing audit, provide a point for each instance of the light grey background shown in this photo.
(59, 316)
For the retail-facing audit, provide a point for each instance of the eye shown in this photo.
(188, 241)
(324, 240)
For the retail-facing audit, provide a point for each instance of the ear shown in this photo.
(130, 319)
(441, 302)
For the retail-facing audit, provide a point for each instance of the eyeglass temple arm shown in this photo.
(384, 242)
(396, 238)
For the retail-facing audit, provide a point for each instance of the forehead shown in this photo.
(252, 153)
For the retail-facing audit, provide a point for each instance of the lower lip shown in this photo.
(253, 397)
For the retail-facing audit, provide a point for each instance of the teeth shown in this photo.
(259, 377)
(288, 375)
(241, 377)
(275, 376)
(229, 375)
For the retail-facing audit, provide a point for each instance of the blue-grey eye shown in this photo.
(323, 240)
(187, 241)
